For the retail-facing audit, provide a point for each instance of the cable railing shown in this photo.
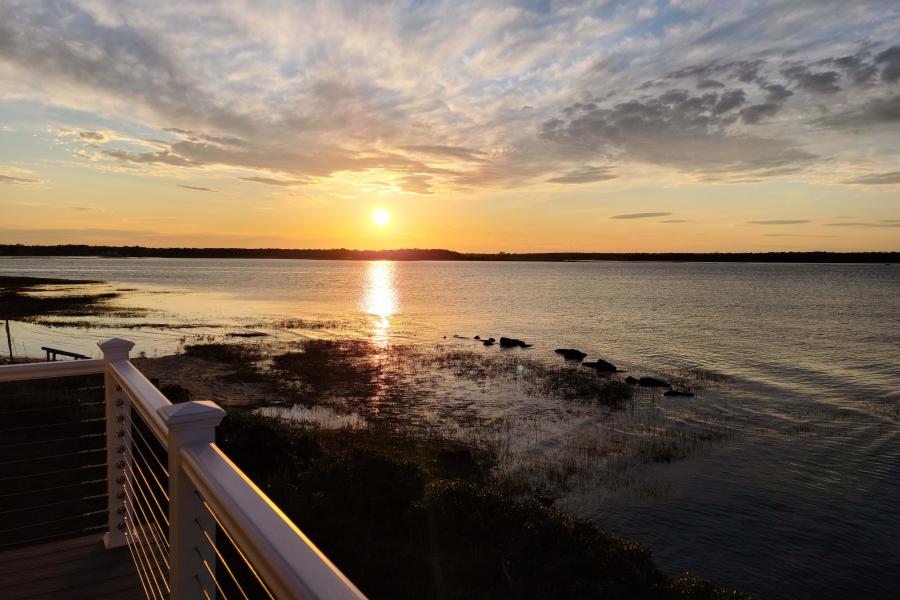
(194, 524)
(52, 459)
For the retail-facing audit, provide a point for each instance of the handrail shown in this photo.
(287, 560)
(51, 369)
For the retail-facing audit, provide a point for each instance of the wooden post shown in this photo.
(189, 423)
(118, 442)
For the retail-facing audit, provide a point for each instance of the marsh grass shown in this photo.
(402, 520)
(537, 377)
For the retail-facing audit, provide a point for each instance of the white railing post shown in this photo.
(189, 423)
(118, 419)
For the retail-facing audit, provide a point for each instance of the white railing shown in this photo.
(171, 490)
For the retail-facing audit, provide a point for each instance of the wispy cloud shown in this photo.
(646, 215)
(586, 175)
(780, 222)
(18, 180)
(196, 188)
(889, 178)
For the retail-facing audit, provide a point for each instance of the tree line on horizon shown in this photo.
(420, 254)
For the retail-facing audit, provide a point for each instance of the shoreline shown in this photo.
(432, 254)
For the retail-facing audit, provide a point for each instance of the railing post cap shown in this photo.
(115, 348)
(192, 415)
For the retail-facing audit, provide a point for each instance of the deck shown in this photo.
(73, 569)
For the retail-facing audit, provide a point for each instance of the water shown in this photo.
(803, 502)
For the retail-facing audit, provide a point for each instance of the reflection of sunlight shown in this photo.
(380, 301)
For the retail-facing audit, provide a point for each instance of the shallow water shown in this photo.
(802, 502)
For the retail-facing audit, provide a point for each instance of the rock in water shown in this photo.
(631, 380)
(477, 337)
(601, 366)
(488, 342)
(571, 353)
(652, 382)
(506, 342)
(679, 393)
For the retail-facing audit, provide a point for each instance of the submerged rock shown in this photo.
(631, 380)
(601, 366)
(652, 382)
(571, 353)
(489, 342)
(679, 393)
(506, 342)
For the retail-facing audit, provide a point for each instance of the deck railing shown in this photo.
(196, 526)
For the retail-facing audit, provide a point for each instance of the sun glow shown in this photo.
(381, 217)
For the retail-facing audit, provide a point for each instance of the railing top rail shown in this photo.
(50, 370)
(288, 561)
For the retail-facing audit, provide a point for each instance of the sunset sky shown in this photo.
(686, 125)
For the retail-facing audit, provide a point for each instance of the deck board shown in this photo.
(71, 569)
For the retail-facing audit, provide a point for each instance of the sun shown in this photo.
(381, 217)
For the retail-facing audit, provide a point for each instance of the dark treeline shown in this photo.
(440, 254)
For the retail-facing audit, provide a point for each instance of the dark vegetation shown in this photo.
(440, 254)
(20, 298)
(403, 520)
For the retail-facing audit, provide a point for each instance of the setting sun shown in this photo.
(381, 217)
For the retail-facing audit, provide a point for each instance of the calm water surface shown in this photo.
(803, 503)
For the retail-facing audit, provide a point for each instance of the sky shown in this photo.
(642, 125)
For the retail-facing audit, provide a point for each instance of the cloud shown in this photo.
(675, 128)
(889, 60)
(160, 157)
(880, 111)
(467, 154)
(890, 178)
(780, 222)
(18, 180)
(646, 215)
(885, 223)
(823, 82)
(196, 188)
(585, 175)
(277, 182)
(435, 94)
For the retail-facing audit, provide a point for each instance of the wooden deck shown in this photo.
(74, 569)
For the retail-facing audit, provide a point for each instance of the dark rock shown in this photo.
(477, 337)
(545, 501)
(248, 334)
(571, 353)
(679, 393)
(601, 366)
(488, 342)
(506, 342)
(631, 380)
(652, 382)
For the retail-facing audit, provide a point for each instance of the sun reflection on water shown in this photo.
(381, 298)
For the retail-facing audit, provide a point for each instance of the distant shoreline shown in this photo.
(418, 254)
